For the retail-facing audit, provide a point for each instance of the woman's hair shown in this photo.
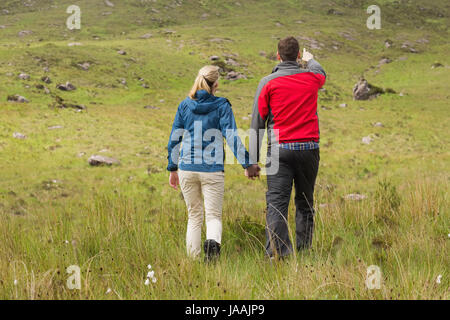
(206, 78)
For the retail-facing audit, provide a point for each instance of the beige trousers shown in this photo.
(202, 191)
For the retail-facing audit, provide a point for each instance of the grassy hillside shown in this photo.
(56, 210)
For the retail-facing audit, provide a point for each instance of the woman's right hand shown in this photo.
(174, 181)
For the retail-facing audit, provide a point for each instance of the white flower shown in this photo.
(439, 278)
(66, 241)
(154, 280)
(16, 282)
(151, 274)
(108, 291)
(149, 266)
(147, 282)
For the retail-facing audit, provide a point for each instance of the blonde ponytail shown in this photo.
(206, 74)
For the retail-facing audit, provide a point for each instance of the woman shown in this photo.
(201, 123)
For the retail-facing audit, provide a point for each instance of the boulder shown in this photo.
(335, 12)
(18, 135)
(384, 61)
(109, 3)
(24, 76)
(367, 140)
(365, 91)
(24, 33)
(147, 36)
(17, 98)
(46, 79)
(408, 48)
(97, 160)
(233, 75)
(67, 87)
(84, 66)
(232, 62)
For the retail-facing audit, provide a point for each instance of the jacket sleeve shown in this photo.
(317, 69)
(259, 119)
(176, 136)
(230, 133)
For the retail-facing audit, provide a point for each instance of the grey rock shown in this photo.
(24, 33)
(365, 91)
(347, 36)
(97, 160)
(109, 3)
(232, 62)
(84, 66)
(233, 75)
(55, 127)
(67, 87)
(18, 135)
(406, 46)
(214, 58)
(335, 12)
(355, 197)
(78, 107)
(384, 61)
(46, 79)
(17, 98)
(122, 52)
(436, 65)
(147, 36)
(24, 76)
(367, 140)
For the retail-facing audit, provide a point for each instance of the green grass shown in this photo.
(113, 222)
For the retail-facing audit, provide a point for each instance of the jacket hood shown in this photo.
(204, 104)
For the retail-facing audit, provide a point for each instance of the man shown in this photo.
(286, 104)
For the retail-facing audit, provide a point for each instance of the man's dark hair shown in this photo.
(288, 49)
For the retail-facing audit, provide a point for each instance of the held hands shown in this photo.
(306, 56)
(174, 181)
(252, 172)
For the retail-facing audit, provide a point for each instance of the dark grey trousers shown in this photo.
(301, 168)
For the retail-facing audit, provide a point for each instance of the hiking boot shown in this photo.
(212, 250)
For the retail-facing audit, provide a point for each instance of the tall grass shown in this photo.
(114, 238)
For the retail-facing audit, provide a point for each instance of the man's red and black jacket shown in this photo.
(286, 102)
